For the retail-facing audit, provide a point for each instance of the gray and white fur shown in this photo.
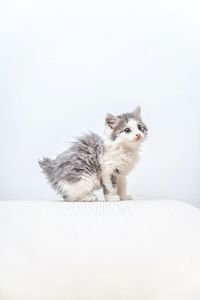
(93, 162)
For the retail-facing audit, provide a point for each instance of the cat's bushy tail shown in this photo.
(46, 165)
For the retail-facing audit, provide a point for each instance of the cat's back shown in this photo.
(90, 144)
(82, 157)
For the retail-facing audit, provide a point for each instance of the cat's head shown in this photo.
(127, 129)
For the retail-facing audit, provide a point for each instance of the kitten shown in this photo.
(93, 162)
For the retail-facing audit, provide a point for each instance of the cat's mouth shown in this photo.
(137, 140)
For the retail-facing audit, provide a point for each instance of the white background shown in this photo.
(65, 64)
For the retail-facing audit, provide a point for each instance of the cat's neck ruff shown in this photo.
(116, 156)
(115, 145)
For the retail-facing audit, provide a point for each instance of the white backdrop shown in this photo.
(65, 64)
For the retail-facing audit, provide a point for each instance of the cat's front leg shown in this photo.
(122, 186)
(109, 185)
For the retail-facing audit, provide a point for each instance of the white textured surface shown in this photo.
(99, 251)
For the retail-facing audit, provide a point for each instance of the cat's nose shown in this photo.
(138, 136)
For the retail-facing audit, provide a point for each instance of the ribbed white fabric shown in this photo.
(128, 250)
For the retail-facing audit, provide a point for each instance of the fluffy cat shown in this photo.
(93, 162)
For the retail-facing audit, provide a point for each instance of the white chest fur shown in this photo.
(119, 158)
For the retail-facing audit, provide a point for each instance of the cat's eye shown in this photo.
(127, 130)
(140, 127)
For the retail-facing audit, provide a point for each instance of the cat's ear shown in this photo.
(137, 112)
(111, 120)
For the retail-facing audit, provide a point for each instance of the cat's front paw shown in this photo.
(127, 197)
(113, 198)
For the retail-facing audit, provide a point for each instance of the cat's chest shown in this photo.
(119, 159)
